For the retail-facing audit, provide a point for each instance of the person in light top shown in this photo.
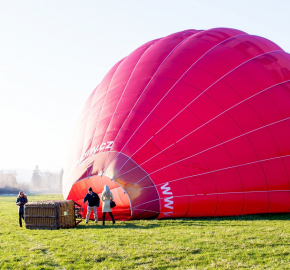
(106, 198)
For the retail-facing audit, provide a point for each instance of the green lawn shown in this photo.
(247, 242)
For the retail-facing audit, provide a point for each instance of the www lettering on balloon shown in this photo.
(168, 201)
(92, 151)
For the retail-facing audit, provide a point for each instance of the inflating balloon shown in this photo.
(193, 124)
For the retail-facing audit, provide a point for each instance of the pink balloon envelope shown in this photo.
(193, 124)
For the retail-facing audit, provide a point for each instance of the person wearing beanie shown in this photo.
(93, 201)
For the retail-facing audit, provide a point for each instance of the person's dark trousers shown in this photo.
(111, 215)
(20, 219)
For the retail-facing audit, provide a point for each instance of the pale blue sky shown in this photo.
(54, 53)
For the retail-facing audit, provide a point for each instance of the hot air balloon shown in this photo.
(193, 124)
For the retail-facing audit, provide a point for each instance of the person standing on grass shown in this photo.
(20, 201)
(93, 202)
(107, 197)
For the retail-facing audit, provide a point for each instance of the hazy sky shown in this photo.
(54, 53)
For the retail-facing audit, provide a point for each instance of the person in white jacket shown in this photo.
(106, 198)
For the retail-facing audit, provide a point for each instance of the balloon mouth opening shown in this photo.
(133, 190)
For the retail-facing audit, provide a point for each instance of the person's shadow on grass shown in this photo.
(118, 225)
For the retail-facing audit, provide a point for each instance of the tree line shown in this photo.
(41, 182)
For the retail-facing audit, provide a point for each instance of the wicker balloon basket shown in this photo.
(51, 214)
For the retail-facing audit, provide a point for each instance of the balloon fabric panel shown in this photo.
(190, 125)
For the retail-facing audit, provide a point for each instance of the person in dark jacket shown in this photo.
(20, 201)
(93, 202)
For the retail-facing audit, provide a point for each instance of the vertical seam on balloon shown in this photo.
(88, 118)
(250, 140)
(279, 149)
(90, 111)
(119, 63)
(236, 170)
(204, 124)
(104, 102)
(121, 98)
(214, 147)
(271, 132)
(263, 170)
(278, 146)
(106, 97)
(147, 86)
(268, 130)
(176, 83)
(282, 159)
(250, 144)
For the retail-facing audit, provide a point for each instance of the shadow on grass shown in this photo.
(119, 225)
(199, 221)
(276, 216)
(216, 220)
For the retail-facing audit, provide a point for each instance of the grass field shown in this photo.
(247, 242)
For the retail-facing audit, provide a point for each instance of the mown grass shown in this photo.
(246, 242)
